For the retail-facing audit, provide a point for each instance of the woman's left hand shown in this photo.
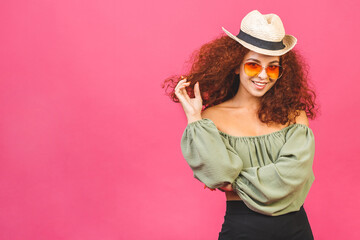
(226, 188)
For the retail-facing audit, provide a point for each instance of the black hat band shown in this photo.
(259, 42)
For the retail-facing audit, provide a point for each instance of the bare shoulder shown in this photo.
(218, 115)
(215, 112)
(210, 113)
(302, 118)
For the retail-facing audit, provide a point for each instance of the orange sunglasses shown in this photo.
(253, 69)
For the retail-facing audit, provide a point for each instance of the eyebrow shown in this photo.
(276, 61)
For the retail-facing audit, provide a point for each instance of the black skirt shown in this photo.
(240, 222)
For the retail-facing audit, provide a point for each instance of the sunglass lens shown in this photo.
(252, 69)
(274, 71)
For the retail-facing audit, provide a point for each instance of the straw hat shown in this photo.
(263, 34)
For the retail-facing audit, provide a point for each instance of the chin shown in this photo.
(258, 94)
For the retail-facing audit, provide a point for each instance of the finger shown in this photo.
(181, 98)
(183, 89)
(179, 84)
(182, 80)
(186, 105)
(197, 90)
(184, 84)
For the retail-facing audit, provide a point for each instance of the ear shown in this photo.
(237, 70)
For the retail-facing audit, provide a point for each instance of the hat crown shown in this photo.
(264, 34)
(268, 27)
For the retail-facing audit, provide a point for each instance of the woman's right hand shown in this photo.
(192, 106)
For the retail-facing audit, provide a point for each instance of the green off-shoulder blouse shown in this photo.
(271, 173)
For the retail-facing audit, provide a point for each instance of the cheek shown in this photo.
(245, 79)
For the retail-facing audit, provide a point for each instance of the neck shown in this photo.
(243, 99)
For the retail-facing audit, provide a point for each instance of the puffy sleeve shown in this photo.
(211, 158)
(282, 186)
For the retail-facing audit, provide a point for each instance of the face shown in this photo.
(258, 85)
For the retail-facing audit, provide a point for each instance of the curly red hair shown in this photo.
(214, 64)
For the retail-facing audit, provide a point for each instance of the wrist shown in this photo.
(193, 118)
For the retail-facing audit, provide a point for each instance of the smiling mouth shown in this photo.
(260, 84)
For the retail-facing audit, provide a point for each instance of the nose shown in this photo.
(263, 74)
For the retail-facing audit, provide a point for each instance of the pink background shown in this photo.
(90, 144)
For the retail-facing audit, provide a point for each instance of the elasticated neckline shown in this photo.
(276, 133)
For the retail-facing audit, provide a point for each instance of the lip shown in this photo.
(259, 87)
(260, 82)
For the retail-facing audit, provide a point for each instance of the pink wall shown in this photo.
(90, 145)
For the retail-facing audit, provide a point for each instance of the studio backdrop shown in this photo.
(90, 143)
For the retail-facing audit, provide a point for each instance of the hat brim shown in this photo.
(289, 41)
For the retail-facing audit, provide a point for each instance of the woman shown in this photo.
(251, 139)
